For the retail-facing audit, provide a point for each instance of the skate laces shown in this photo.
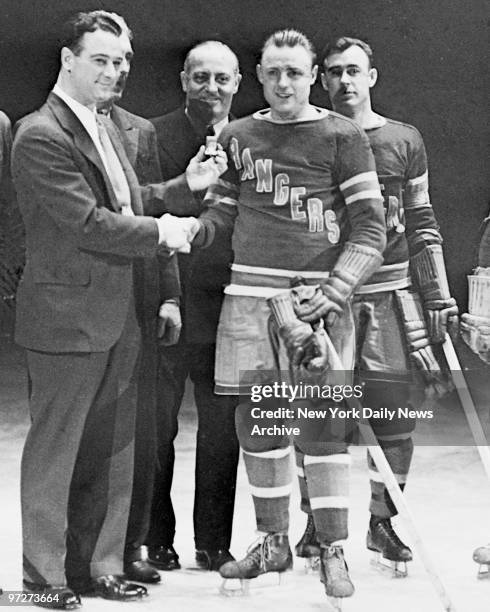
(387, 527)
(256, 552)
(336, 562)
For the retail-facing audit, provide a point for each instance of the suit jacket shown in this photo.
(205, 272)
(161, 275)
(78, 278)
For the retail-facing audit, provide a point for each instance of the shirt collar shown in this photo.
(86, 115)
(218, 127)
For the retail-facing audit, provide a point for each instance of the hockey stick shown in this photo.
(396, 495)
(467, 403)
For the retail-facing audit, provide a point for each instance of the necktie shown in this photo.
(115, 171)
(211, 141)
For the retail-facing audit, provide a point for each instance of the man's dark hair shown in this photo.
(79, 24)
(343, 43)
(290, 38)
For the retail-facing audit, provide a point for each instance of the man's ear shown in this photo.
(66, 58)
(373, 77)
(323, 79)
(314, 74)
(238, 78)
(183, 80)
(259, 73)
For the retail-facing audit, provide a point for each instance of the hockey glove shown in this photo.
(419, 347)
(306, 348)
(429, 273)
(354, 266)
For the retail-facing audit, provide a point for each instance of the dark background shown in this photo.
(432, 56)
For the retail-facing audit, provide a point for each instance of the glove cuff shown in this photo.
(356, 264)
(429, 273)
(282, 308)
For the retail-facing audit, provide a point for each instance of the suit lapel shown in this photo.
(82, 140)
(129, 133)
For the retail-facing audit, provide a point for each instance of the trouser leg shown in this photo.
(216, 455)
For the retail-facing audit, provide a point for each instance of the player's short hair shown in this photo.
(345, 42)
(189, 58)
(290, 38)
(81, 23)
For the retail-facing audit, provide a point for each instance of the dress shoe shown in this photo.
(141, 571)
(116, 588)
(53, 597)
(163, 558)
(212, 559)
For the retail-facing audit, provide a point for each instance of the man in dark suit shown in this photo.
(210, 78)
(157, 291)
(82, 207)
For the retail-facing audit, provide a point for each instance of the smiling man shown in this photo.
(83, 213)
(210, 78)
(300, 198)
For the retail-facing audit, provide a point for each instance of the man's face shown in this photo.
(124, 68)
(348, 79)
(287, 75)
(93, 73)
(210, 83)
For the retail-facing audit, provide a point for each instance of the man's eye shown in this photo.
(100, 61)
(353, 71)
(335, 74)
(200, 78)
(223, 80)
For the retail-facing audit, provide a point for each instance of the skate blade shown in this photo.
(229, 588)
(335, 603)
(483, 571)
(312, 565)
(396, 569)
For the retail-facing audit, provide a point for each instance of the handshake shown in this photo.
(177, 233)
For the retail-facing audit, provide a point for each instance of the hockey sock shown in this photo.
(398, 453)
(327, 480)
(303, 489)
(269, 476)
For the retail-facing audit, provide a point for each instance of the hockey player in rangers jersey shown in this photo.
(389, 314)
(301, 197)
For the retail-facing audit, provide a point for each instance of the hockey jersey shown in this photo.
(294, 193)
(401, 164)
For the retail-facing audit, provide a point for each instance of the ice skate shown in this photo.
(482, 556)
(270, 554)
(335, 575)
(382, 539)
(308, 547)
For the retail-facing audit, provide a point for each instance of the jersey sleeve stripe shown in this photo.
(216, 198)
(363, 177)
(367, 194)
(422, 179)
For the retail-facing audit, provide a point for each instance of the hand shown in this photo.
(422, 355)
(202, 172)
(312, 303)
(169, 323)
(442, 317)
(305, 347)
(176, 233)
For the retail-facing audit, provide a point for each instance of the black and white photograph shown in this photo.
(245, 305)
